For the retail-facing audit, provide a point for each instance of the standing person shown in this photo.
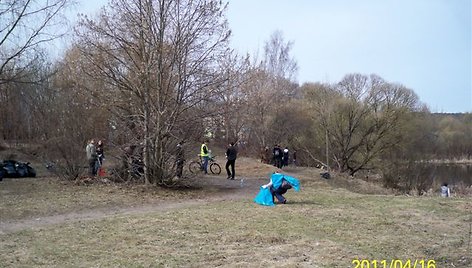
(445, 191)
(231, 155)
(100, 157)
(277, 156)
(267, 155)
(92, 157)
(100, 153)
(204, 154)
(294, 157)
(285, 156)
(179, 160)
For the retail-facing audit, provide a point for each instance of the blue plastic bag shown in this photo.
(277, 178)
(264, 197)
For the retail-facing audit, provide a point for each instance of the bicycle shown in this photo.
(197, 166)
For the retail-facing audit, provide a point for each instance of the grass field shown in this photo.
(47, 223)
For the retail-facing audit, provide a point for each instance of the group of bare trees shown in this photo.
(24, 27)
(360, 118)
(159, 64)
(147, 74)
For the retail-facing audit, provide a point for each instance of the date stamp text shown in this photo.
(394, 263)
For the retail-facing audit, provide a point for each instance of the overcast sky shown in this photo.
(423, 44)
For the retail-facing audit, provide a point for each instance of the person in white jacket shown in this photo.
(445, 191)
(92, 157)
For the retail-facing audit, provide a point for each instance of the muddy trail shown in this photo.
(219, 189)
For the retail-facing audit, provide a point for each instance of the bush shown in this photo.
(67, 158)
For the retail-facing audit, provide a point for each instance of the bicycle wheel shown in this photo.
(194, 167)
(215, 168)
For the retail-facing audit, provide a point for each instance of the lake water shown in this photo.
(451, 173)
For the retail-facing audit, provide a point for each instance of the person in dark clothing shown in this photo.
(277, 156)
(267, 155)
(231, 155)
(100, 158)
(179, 160)
(100, 153)
(280, 191)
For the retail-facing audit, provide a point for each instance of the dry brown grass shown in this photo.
(322, 226)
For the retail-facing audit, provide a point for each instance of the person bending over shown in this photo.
(279, 191)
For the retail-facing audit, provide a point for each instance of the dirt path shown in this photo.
(222, 190)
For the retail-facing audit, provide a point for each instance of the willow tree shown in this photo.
(363, 117)
(159, 60)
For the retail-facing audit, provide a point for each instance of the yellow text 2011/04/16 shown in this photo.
(394, 263)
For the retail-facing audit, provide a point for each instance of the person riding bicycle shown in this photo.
(205, 155)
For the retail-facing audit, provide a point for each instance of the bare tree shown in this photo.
(363, 119)
(20, 103)
(271, 83)
(24, 26)
(232, 101)
(159, 60)
(277, 59)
